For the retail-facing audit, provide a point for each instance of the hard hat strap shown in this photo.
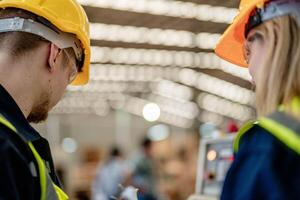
(60, 39)
(271, 10)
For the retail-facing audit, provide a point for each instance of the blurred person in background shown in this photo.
(84, 172)
(110, 176)
(265, 36)
(43, 49)
(144, 172)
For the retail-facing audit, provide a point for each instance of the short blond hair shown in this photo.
(278, 80)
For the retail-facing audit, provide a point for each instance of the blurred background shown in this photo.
(156, 90)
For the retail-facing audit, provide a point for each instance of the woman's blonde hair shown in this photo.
(278, 80)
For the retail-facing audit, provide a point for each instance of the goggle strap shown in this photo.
(274, 9)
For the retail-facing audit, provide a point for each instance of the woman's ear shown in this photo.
(53, 55)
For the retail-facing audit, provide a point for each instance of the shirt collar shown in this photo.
(11, 111)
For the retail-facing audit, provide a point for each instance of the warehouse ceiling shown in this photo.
(161, 51)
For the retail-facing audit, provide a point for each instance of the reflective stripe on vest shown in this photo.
(49, 191)
(282, 126)
(244, 129)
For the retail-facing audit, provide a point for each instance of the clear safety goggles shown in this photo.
(73, 67)
(60, 39)
(271, 10)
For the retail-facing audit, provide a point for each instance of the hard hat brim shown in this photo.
(230, 47)
(83, 77)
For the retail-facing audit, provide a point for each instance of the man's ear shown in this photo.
(53, 55)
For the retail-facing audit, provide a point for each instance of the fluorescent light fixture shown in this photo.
(131, 34)
(186, 109)
(130, 56)
(133, 73)
(82, 103)
(225, 89)
(169, 8)
(211, 118)
(172, 90)
(224, 107)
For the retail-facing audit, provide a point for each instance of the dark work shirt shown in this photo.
(17, 163)
(264, 169)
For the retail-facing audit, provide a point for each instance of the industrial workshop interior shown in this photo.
(161, 115)
(159, 101)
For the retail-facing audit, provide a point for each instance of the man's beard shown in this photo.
(40, 111)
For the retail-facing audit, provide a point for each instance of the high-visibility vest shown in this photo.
(282, 126)
(49, 191)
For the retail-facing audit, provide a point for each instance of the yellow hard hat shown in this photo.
(66, 15)
(231, 44)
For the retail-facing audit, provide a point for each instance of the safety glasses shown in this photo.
(74, 67)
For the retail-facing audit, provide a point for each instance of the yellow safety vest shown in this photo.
(282, 126)
(49, 191)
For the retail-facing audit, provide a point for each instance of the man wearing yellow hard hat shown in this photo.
(44, 46)
(265, 37)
